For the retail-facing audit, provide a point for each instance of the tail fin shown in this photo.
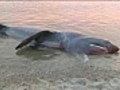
(3, 30)
(2, 26)
(40, 35)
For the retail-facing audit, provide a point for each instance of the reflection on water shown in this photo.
(61, 15)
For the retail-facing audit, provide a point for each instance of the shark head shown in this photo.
(94, 46)
(100, 46)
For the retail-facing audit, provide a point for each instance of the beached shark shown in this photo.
(70, 42)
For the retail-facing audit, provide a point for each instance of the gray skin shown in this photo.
(68, 41)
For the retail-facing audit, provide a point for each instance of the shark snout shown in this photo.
(113, 49)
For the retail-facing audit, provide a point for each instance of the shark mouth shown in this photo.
(104, 50)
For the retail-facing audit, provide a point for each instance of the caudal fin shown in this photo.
(38, 36)
(2, 26)
(3, 30)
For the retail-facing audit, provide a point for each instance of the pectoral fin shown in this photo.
(40, 35)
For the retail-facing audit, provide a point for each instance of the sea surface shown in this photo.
(29, 69)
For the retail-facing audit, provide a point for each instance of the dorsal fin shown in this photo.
(39, 35)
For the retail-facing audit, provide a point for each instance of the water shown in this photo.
(53, 69)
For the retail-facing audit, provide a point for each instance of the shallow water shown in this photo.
(54, 69)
